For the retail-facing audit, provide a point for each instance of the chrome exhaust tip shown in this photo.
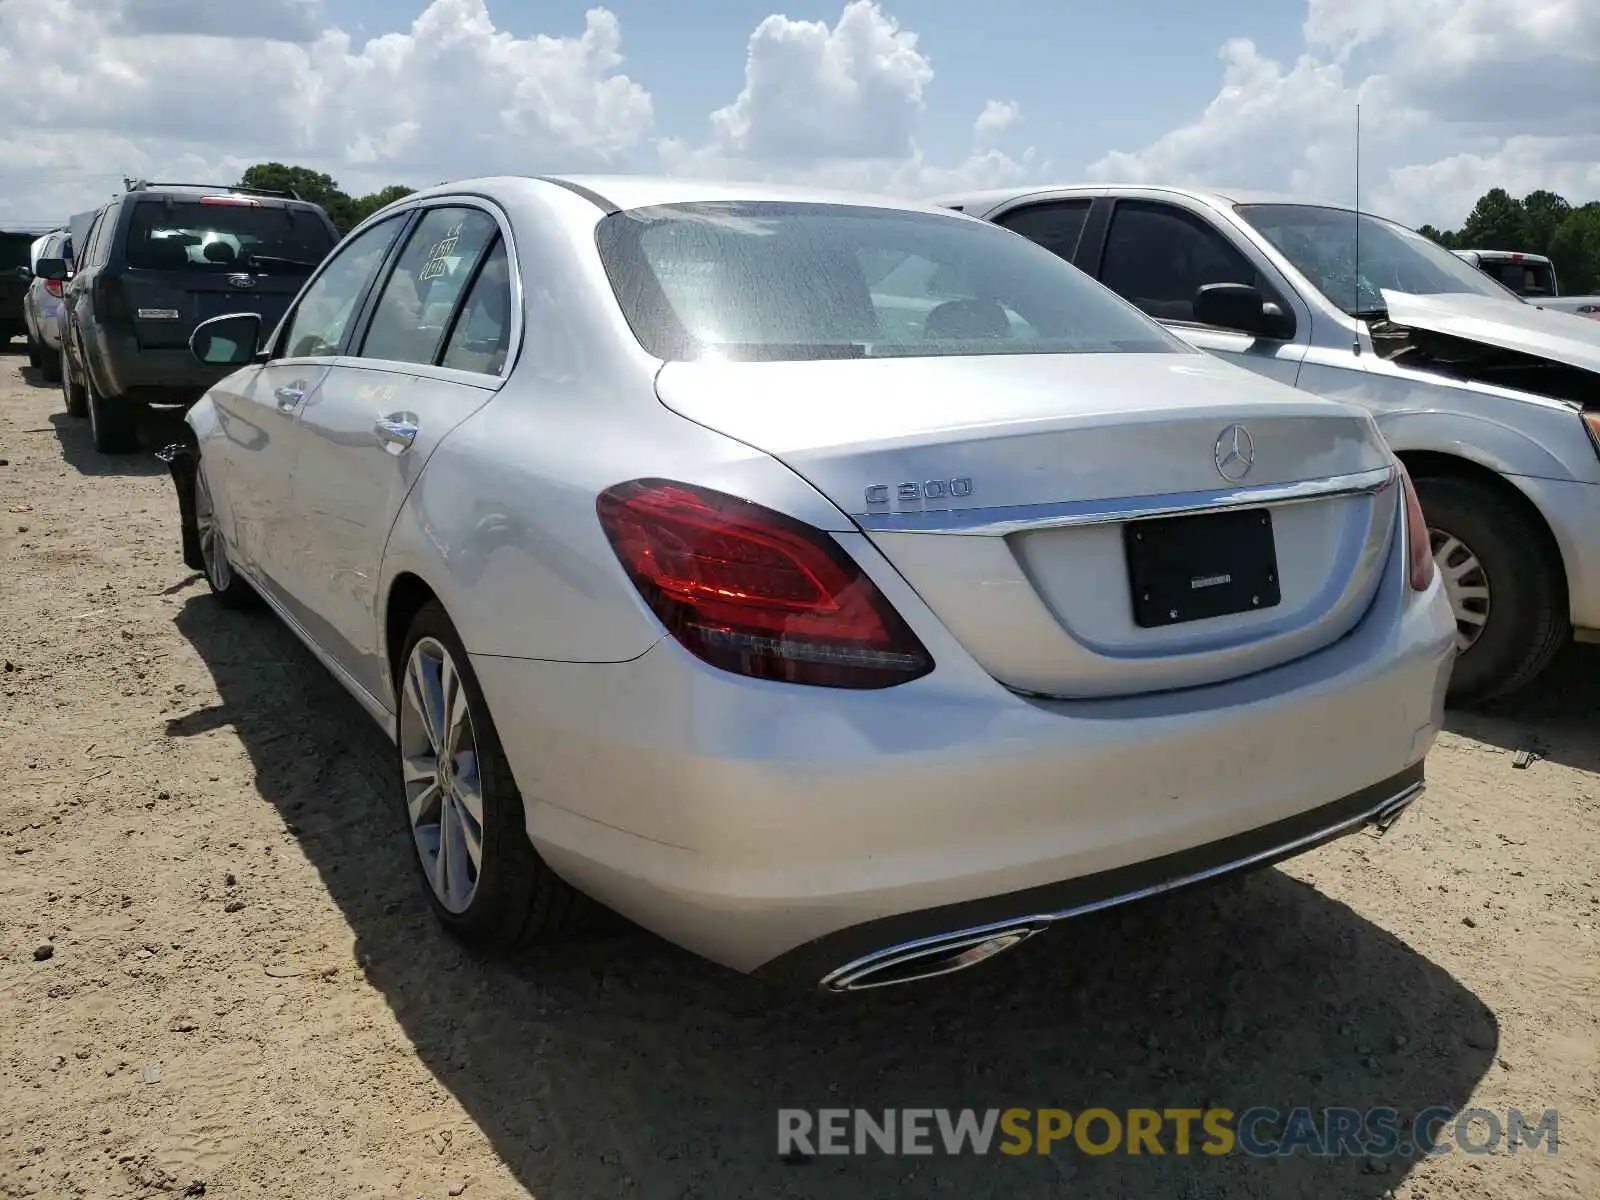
(929, 958)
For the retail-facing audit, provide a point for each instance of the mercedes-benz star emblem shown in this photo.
(1235, 453)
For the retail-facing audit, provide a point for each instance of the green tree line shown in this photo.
(1540, 223)
(346, 211)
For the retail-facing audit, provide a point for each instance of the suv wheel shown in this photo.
(1504, 582)
(71, 390)
(35, 355)
(113, 423)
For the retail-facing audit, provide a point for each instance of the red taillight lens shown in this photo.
(53, 286)
(1591, 420)
(755, 592)
(1418, 547)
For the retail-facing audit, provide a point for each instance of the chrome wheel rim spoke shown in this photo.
(439, 772)
(1466, 584)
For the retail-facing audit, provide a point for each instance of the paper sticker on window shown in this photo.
(438, 264)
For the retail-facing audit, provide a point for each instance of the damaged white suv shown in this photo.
(1492, 403)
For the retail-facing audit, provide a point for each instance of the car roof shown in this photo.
(622, 192)
(1216, 197)
(1509, 255)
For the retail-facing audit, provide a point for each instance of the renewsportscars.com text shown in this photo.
(1256, 1132)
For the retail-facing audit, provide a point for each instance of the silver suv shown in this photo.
(1492, 403)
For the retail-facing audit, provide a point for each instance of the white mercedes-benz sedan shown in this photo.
(845, 590)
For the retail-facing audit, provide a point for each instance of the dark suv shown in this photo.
(152, 265)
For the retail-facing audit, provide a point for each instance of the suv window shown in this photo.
(482, 333)
(1056, 225)
(95, 243)
(226, 234)
(417, 301)
(317, 325)
(1158, 257)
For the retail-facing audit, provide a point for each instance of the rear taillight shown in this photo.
(53, 286)
(1591, 421)
(1419, 548)
(230, 201)
(755, 592)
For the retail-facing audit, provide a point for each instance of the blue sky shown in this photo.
(1091, 75)
(885, 95)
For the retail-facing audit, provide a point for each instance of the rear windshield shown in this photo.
(785, 281)
(189, 235)
(14, 249)
(1523, 278)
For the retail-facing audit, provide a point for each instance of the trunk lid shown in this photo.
(1507, 324)
(1027, 500)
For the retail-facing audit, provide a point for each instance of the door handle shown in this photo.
(396, 432)
(289, 396)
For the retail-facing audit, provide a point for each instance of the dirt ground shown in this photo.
(247, 995)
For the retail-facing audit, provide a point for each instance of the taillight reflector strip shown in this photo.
(1419, 547)
(755, 592)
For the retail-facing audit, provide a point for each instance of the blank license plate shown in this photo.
(1208, 565)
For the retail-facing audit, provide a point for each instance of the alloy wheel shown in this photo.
(1466, 584)
(439, 767)
(213, 551)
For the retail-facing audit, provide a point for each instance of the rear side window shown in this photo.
(1056, 226)
(482, 332)
(201, 235)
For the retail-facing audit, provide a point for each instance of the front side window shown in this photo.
(1323, 246)
(1159, 257)
(409, 321)
(317, 326)
(788, 281)
(1055, 225)
(226, 234)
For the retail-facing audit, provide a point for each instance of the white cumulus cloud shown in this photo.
(1456, 96)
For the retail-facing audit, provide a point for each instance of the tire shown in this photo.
(227, 585)
(113, 423)
(1505, 583)
(72, 392)
(512, 900)
(49, 366)
(35, 354)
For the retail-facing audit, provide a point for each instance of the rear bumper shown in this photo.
(787, 829)
(124, 369)
(937, 941)
(1573, 513)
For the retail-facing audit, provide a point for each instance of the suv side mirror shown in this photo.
(53, 269)
(226, 341)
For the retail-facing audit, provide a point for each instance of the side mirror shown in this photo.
(1231, 306)
(24, 274)
(226, 341)
(54, 269)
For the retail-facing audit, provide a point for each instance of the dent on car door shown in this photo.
(257, 413)
(1159, 256)
(419, 371)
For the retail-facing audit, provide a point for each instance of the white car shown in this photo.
(1492, 404)
(43, 305)
(845, 590)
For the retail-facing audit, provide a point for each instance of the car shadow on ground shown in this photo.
(1557, 718)
(157, 428)
(624, 1066)
(34, 377)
